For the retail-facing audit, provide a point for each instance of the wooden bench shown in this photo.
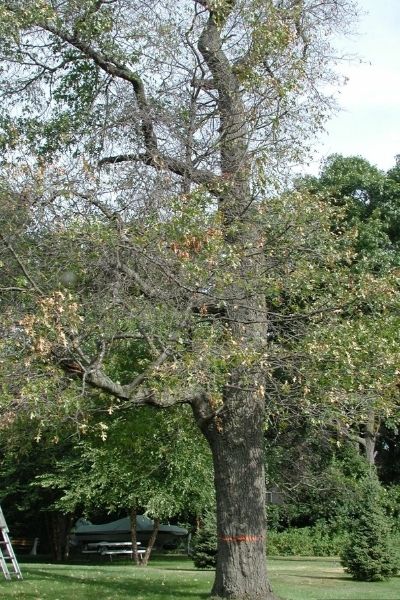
(25, 544)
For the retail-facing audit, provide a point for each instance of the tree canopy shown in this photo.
(142, 148)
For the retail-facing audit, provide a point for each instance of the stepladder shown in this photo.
(8, 561)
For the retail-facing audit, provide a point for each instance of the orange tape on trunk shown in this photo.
(241, 538)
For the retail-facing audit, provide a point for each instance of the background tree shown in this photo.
(336, 324)
(369, 554)
(31, 511)
(358, 349)
(205, 543)
(152, 463)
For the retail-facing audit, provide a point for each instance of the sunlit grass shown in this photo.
(324, 579)
(174, 578)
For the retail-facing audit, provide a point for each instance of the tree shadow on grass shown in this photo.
(312, 559)
(320, 577)
(104, 561)
(147, 589)
(173, 563)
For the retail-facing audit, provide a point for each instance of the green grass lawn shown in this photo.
(174, 578)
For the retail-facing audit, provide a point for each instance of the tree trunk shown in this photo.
(369, 438)
(54, 536)
(236, 441)
(68, 526)
(135, 555)
(235, 434)
(151, 542)
(371, 434)
(369, 445)
(58, 526)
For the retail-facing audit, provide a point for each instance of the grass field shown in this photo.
(174, 578)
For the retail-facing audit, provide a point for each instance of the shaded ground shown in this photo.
(174, 578)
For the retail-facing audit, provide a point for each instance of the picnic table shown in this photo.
(113, 549)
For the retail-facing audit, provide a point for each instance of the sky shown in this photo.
(368, 123)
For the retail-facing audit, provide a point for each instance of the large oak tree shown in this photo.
(144, 139)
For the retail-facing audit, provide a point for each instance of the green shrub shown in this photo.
(319, 540)
(369, 554)
(205, 543)
(292, 542)
(392, 506)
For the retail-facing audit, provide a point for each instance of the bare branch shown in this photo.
(15, 289)
(144, 287)
(162, 162)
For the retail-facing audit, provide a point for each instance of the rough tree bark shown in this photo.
(236, 442)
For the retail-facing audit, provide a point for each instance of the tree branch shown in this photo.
(22, 266)
(148, 397)
(163, 162)
(113, 67)
(234, 124)
(152, 157)
(143, 286)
